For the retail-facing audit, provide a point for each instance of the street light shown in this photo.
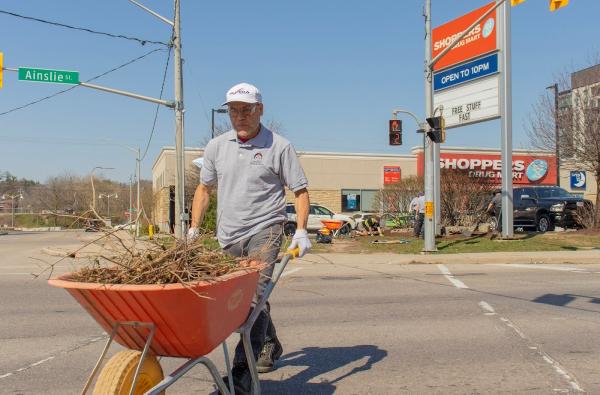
(92, 179)
(12, 197)
(554, 87)
(108, 196)
(212, 125)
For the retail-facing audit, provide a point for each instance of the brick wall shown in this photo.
(331, 199)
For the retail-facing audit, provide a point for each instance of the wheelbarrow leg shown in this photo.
(99, 362)
(251, 361)
(228, 365)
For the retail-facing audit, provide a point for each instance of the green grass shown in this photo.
(562, 241)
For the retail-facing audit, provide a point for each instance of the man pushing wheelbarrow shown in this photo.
(251, 167)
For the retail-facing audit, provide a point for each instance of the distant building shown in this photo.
(347, 182)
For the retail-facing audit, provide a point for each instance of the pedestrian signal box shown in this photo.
(437, 133)
(395, 132)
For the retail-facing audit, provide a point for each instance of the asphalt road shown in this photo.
(359, 324)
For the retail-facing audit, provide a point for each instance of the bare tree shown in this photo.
(578, 121)
(463, 198)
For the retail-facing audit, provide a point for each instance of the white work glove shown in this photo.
(193, 234)
(301, 241)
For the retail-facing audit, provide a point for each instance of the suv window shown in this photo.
(290, 209)
(552, 192)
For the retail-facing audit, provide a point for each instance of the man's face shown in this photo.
(245, 118)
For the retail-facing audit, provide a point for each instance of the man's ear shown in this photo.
(260, 108)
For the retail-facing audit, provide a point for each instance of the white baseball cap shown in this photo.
(243, 92)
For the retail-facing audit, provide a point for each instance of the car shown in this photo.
(316, 213)
(544, 207)
(125, 227)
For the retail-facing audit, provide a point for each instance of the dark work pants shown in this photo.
(263, 246)
(419, 224)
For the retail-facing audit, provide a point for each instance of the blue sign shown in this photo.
(470, 71)
(578, 179)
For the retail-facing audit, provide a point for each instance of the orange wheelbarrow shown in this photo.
(171, 321)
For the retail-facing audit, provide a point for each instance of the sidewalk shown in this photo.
(588, 256)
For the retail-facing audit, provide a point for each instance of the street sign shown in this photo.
(474, 102)
(578, 179)
(47, 75)
(466, 72)
(479, 41)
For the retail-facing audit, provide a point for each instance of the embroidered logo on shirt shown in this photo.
(257, 160)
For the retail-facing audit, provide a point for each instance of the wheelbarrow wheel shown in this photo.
(117, 375)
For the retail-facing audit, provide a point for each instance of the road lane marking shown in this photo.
(457, 283)
(542, 267)
(291, 271)
(71, 349)
(569, 378)
(489, 309)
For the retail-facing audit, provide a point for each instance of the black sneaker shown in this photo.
(271, 352)
(242, 380)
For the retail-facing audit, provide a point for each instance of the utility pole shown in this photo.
(429, 232)
(506, 123)
(130, 202)
(137, 206)
(180, 213)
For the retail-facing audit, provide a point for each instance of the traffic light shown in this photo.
(437, 133)
(1, 65)
(556, 4)
(395, 132)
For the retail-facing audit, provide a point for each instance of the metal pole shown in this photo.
(437, 190)
(180, 218)
(212, 124)
(108, 203)
(137, 205)
(130, 201)
(429, 164)
(12, 224)
(506, 114)
(556, 134)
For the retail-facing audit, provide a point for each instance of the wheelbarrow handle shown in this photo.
(277, 271)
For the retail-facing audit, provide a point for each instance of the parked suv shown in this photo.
(315, 215)
(544, 207)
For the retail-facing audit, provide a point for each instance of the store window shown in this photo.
(358, 200)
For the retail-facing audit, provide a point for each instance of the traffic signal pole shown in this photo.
(429, 223)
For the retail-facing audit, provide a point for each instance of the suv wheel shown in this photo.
(543, 223)
(289, 228)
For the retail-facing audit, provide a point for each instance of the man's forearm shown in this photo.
(302, 204)
(200, 205)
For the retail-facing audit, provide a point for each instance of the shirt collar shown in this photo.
(260, 140)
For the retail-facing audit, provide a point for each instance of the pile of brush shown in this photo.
(182, 262)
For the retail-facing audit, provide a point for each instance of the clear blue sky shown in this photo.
(330, 72)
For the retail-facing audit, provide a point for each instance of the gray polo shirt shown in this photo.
(251, 178)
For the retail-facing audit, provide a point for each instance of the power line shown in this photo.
(75, 86)
(162, 88)
(83, 29)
